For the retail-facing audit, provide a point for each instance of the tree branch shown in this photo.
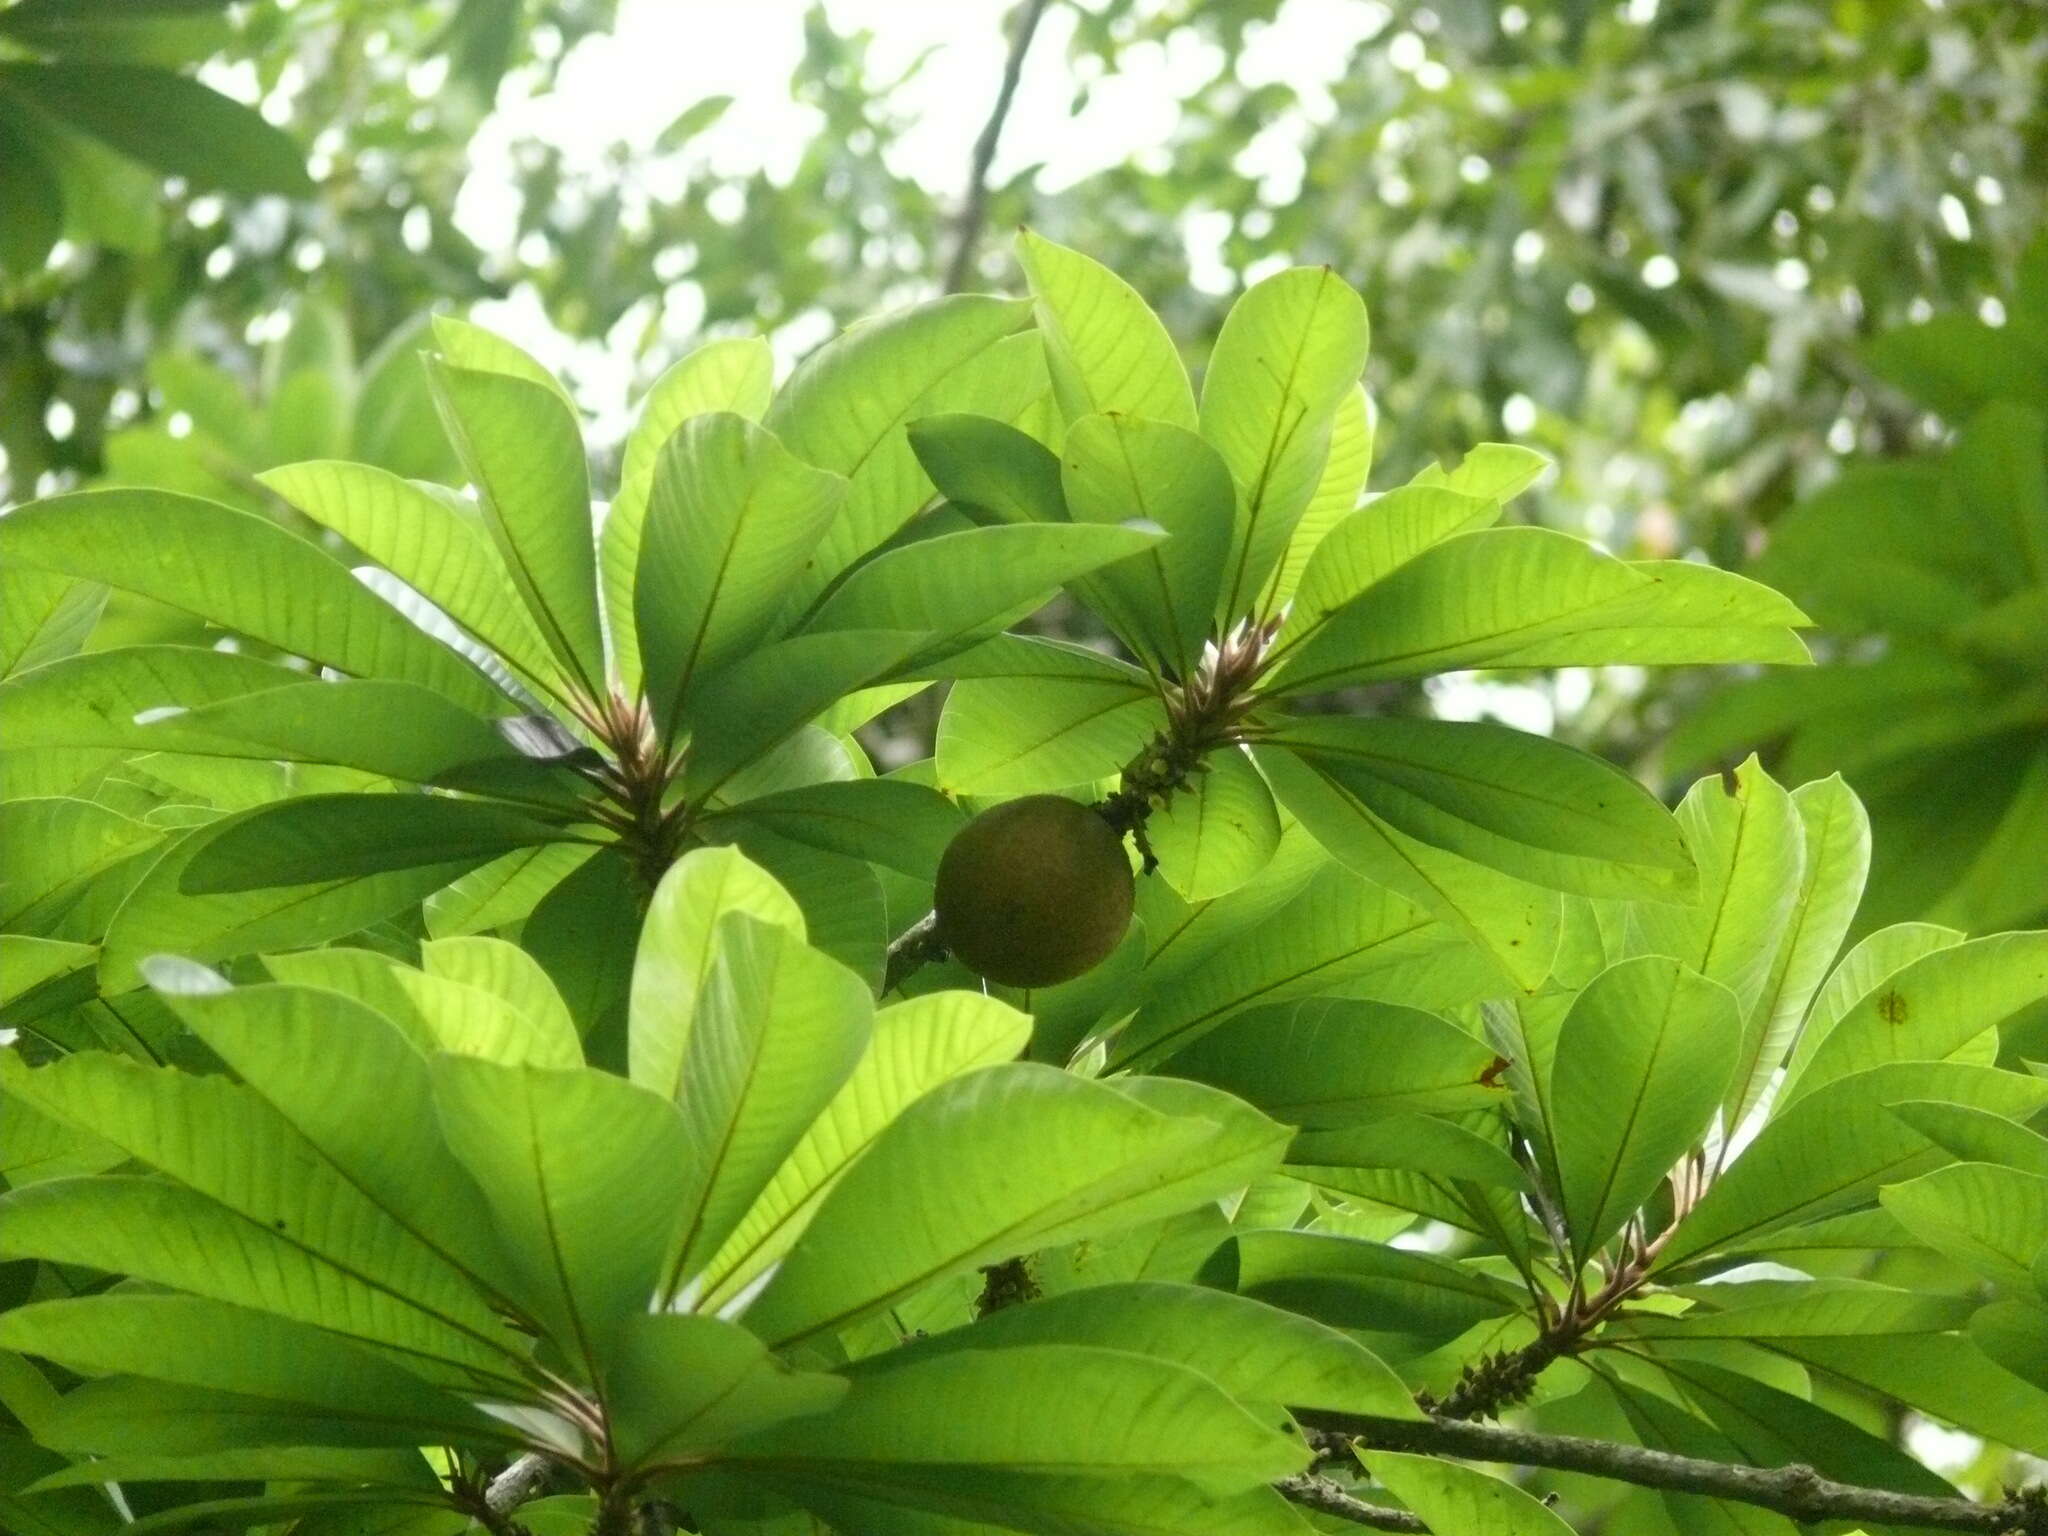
(973, 214)
(1325, 1497)
(1797, 1492)
(521, 1481)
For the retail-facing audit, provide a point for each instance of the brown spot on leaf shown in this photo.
(1491, 1075)
(1892, 1008)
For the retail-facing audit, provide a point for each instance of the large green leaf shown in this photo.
(1337, 935)
(1526, 597)
(1327, 1062)
(991, 468)
(731, 517)
(522, 448)
(1119, 1413)
(1254, 1352)
(1746, 834)
(351, 1083)
(1833, 1149)
(736, 374)
(1115, 468)
(166, 121)
(582, 1172)
(962, 587)
(43, 616)
(681, 1386)
(1366, 1287)
(1513, 924)
(913, 1048)
(240, 571)
(1930, 1008)
(503, 891)
(777, 1030)
(1056, 715)
(194, 1342)
(57, 842)
(678, 951)
(1364, 547)
(335, 837)
(984, 1167)
(1219, 832)
(1989, 1219)
(1290, 351)
(1835, 840)
(158, 916)
(845, 410)
(1450, 1497)
(891, 822)
(429, 539)
(1106, 349)
(1642, 1061)
(1335, 496)
(1531, 807)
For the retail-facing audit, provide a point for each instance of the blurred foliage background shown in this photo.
(1655, 238)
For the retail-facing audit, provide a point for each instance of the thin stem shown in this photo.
(1327, 1498)
(1795, 1491)
(973, 216)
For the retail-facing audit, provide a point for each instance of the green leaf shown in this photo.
(1528, 806)
(959, 588)
(913, 1048)
(1219, 832)
(582, 1172)
(678, 952)
(1490, 471)
(1450, 1497)
(1124, 1415)
(1989, 1219)
(1115, 468)
(1857, 977)
(336, 1264)
(1329, 1062)
(193, 1342)
(318, 838)
(349, 1080)
(1366, 1287)
(1365, 547)
(57, 843)
(27, 962)
(394, 730)
(776, 1031)
(521, 446)
(1747, 835)
(682, 1386)
(731, 517)
(736, 374)
(1335, 497)
(1057, 715)
(93, 699)
(1513, 924)
(967, 1501)
(1835, 839)
(240, 571)
(1642, 1060)
(166, 121)
(990, 467)
(429, 539)
(506, 972)
(1106, 349)
(1290, 351)
(503, 891)
(900, 825)
(1975, 1136)
(1254, 1352)
(44, 617)
(34, 198)
(1833, 1149)
(748, 709)
(846, 407)
(996, 1163)
(1337, 935)
(128, 1417)
(1930, 1008)
(1526, 597)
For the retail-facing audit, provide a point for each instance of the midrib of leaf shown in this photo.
(1280, 434)
(556, 1259)
(1156, 563)
(724, 567)
(1791, 1217)
(1075, 724)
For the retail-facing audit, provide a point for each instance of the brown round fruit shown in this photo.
(1034, 892)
